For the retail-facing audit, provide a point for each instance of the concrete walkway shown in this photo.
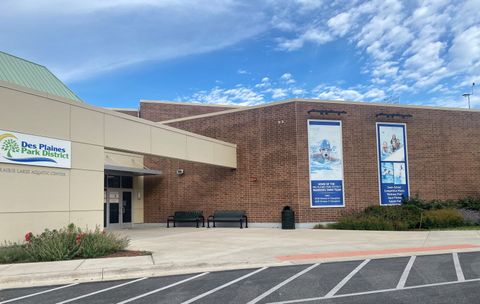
(188, 250)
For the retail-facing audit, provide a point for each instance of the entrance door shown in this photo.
(126, 211)
(114, 197)
(118, 201)
(119, 208)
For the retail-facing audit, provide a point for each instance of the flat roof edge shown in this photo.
(182, 103)
(121, 109)
(84, 105)
(226, 112)
(320, 101)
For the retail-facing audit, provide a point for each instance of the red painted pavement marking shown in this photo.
(309, 256)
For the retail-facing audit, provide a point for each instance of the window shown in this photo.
(113, 181)
(116, 181)
(127, 182)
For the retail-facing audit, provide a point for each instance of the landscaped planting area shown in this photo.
(63, 244)
(414, 214)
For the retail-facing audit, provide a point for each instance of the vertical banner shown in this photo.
(392, 162)
(325, 152)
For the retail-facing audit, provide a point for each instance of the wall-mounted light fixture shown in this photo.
(326, 112)
(180, 172)
(393, 115)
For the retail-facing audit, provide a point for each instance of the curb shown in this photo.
(108, 274)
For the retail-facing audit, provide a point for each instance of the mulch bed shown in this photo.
(127, 253)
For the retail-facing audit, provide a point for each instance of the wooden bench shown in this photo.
(228, 216)
(186, 217)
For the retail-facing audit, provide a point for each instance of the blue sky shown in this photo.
(115, 52)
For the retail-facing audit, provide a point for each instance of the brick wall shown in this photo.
(262, 184)
(443, 155)
(443, 152)
(160, 111)
(128, 112)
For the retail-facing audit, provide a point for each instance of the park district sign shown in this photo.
(24, 149)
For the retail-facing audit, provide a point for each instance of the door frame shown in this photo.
(120, 224)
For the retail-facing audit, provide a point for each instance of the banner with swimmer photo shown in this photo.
(325, 151)
(392, 163)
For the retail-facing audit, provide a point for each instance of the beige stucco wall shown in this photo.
(55, 197)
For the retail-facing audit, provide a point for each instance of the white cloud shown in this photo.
(386, 69)
(311, 35)
(264, 91)
(328, 92)
(308, 5)
(427, 59)
(288, 78)
(409, 46)
(405, 47)
(465, 50)
(374, 94)
(282, 24)
(236, 96)
(244, 95)
(80, 39)
(298, 91)
(264, 83)
(279, 93)
(340, 24)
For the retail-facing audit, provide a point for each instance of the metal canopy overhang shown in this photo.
(119, 170)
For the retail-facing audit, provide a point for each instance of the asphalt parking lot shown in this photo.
(442, 278)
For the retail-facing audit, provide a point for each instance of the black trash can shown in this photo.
(288, 218)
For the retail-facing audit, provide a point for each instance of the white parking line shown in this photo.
(406, 272)
(335, 289)
(102, 290)
(268, 292)
(224, 285)
(375, 292)
(38, 293)
(163, 288)
(458, 267)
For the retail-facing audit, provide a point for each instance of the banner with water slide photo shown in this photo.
(392, 163)
(325, 163)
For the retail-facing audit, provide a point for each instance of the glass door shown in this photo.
(126, 208)
(118, 200)
(113, 207)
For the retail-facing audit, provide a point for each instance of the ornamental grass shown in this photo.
(63, 244)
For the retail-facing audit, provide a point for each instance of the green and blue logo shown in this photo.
(19, 148)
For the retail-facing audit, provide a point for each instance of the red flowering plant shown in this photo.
(28, 237)
(63, 244)
(78, 239)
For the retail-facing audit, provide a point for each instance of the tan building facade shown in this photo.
(63, 161)
(102, 141)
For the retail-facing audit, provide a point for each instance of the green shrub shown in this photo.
(63, 244)
(363, 223)
(53, 245)
(401, 217)
(443, 218)
(469, 203)
(97, 244)
(13, 253)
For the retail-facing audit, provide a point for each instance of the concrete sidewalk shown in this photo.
(188, 250)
